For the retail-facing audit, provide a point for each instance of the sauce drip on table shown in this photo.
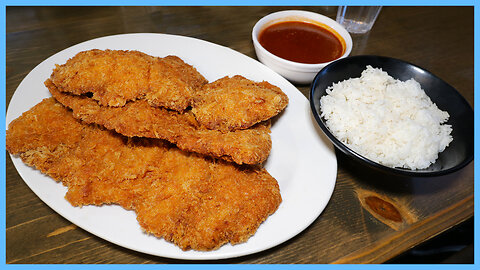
(301, 42)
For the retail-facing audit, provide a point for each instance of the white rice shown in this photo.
(386, 120)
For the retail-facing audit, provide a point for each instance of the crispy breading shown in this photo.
(117, 76)
(236, 102)
(193, 201)
(138, 118)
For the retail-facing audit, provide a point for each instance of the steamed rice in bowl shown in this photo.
(389, 121)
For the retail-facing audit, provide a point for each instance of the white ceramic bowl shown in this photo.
(293, 71)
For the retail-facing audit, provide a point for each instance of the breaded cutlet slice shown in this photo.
(138, 118)
(195, 202)
(114, 77)
(232, 103)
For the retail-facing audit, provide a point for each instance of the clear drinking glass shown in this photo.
(357, 19)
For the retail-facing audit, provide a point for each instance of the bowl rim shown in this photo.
(313, 67)
(350, 152)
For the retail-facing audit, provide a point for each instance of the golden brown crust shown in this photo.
(250, 146)
(232, 103)
(193, 201)
(117, 76)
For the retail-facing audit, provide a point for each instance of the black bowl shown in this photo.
(460, 151)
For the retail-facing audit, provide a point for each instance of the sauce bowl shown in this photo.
(296, 72)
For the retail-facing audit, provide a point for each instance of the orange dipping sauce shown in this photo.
(301, 42)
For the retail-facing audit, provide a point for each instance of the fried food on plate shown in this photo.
(138, 118)
(236, 102)
(193, 201)
(117, 76)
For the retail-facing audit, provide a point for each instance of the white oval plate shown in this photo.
(302, 159)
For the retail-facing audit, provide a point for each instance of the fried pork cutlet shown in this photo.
(232, 103)
(188, 199)
(138, 118)
(115, 77)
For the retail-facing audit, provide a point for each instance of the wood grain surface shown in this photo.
(370, 218)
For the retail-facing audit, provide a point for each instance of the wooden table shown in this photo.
(439, 39)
